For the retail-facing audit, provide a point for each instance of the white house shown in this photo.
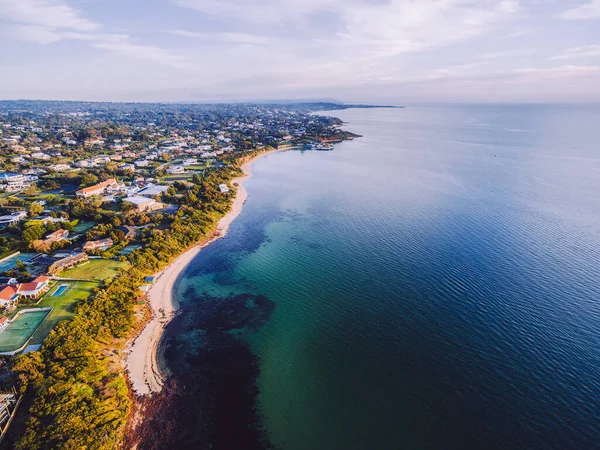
(173, 170)
(142, 163)
(13, 218)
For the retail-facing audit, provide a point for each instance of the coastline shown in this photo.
(144, 362)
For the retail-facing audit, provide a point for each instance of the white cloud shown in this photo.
(564, 71)
(388, 28)
(589, 10)
(579, 52)
(32, 33)
(49, 21)
(120, 45)
(232, 38)
(52, 14)
(512, 53)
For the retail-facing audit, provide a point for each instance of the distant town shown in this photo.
(86, 187)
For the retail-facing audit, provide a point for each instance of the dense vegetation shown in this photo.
(81, 398)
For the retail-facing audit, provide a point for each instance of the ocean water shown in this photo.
(434, 284)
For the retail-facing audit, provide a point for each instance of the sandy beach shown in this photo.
(144, 362)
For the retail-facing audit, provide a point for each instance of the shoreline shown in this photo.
(144, 361)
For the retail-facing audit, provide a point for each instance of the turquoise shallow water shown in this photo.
(434, 284)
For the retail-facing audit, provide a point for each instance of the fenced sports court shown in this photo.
(20, 329)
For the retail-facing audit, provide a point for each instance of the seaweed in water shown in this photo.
(212, 403)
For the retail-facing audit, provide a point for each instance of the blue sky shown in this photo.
(352, 50)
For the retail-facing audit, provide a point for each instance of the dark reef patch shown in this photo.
(210, 400)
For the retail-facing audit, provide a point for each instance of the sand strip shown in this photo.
(144, 362)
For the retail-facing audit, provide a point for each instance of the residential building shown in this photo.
(224, 188)
(97, 189)
(10, 294)
(12, 219)
(57, 236)
(129, 232)
(143, 204)
(102, 244)
(60, 167)
(153, 190)
(67, 263)
(174, 170)
(34, 289)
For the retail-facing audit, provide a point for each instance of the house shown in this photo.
(174, 170)
(190, 162)
(66, 263)
(12, 219)
(3, 322)
(35, 288)
(144, 204)
(102, 244)
(153, 190)
(14, 182)
(128, 231)
(60, 167)
(48, 219)
(40, 155)
(224, 188)
(97, 189)
(57, 236)
(8, 295)
(142, 163)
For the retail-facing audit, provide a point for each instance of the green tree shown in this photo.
(35, 209)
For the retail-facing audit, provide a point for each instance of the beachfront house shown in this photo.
(10, 294)
(35, 288)
(224, 188)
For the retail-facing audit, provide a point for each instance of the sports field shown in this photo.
(20, 329)
(95, 269)
(62, 301)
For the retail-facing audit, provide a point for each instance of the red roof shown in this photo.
(41, 279)
(8, 292)
(3, 319)
(98, 186)
(28, 287)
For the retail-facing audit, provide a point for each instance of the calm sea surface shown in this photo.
(434, 284)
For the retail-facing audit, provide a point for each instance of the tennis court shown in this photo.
(21, 328)
(11, 262)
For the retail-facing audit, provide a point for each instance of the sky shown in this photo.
(351, 50)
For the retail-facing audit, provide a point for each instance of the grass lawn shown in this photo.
(95, 269)
(197, 167)
(62, 305)
(20, 329)
(180, 177)
(82, 227)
